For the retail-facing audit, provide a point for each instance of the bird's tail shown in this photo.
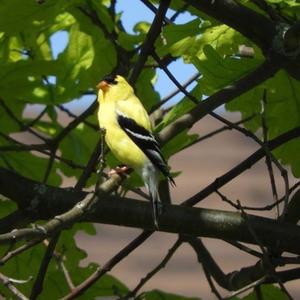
(151, 178)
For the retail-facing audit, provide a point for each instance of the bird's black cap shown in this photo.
(110, 79)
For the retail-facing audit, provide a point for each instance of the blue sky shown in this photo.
(130, 17)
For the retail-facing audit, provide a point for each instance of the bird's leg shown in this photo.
(118, 170)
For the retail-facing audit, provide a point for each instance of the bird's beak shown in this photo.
(103, 85)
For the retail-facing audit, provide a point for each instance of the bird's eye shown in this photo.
(110, 79)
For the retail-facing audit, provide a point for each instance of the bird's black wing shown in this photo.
(146, 142)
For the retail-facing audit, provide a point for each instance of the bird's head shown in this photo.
(114, 87)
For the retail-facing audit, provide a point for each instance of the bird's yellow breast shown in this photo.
(124, 149)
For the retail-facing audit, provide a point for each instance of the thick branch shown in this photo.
(62, 199)
(231, 281)
(36, 200)
(199, 222)
(176, 219)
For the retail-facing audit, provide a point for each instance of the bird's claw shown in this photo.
(118, 170)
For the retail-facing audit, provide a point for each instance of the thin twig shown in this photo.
(21, 125)
(244, 248)
(66, 273)
(6, 281)
(210, 282)
(90, 165)
(258, 293)
(41, 148)
(38, 284)
(215, 132)
(245, 289)
(72, 115)
(154, 10)
(101, 159)
(112, 9)
(234, 172)
(267, 207)
(179, 11)
(152, 35)
(82, 287)
(72, 125)
(160, 266)
(174, 93)
(232, 125)
(92, 14)
(265, 257)
(17, 251)
(35, 120)
(268, 158)
(50, 164)
(59, 259)
(172, 77)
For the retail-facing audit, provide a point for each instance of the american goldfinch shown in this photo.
(129, 136)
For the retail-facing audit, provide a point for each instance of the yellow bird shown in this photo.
(129, 134)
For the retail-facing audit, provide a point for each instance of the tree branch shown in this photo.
(78, 290)
(246, 164)
(259, 75)
(175, 219)
(8, 283)
(152, 35)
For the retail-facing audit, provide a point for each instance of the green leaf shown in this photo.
(30, 166)
(88, 57)
(268, 292)
(49, 128)
(17, 15)
(141, 27)
(179, 142)
(63, 22)
(223, 39)
(27, 75)
(52, 113)
(179, 39)
(10, 48)
(130, 41)
(7, 206)
(217, 71)
(145, 90)
(55, 285)
(182, 107)
(17, 268)
(160, 295)
(80, 143)
(7, 123)
(103, 14)
(282, 113)
(76, 59)
(77, 146)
